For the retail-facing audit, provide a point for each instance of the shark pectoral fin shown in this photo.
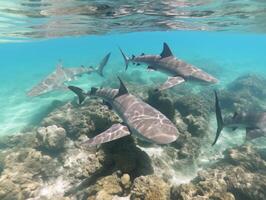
(252, 133)
(62, 87)
(171, 82)
(151, 68)
(116, 131)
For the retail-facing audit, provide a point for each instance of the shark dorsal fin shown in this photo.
(166, 51)
(59, 65)
(122, 89)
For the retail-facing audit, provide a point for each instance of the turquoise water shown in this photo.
(53, 148)
(222, 54)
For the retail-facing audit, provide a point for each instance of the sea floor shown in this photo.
(47, 162)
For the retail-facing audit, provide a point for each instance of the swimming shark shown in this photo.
(253, 122)
(177, 70)
(139, 118)
(57, 79)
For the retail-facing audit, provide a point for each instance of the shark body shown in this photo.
(177, 70)
(253, 122)
(57, 79)
(139, 118)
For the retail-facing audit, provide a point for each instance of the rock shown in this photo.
(125, 180)
(80, 163)
(26, 140)
(90, 118)
(251, 84)
(194, 104)
(105, 187)
(24, 171)
(103, 195)
(162, 102)
(240, 175)
(9, 190)
(245, 93)
(150, 187)
(247, 157)
(51, 137)
(197, 125)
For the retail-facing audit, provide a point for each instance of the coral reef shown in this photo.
(24, 172)
(162, 102)
(51, 138)
(49, 162)
(240, 175)
(150, 188)
(247, 92)
(90, 118)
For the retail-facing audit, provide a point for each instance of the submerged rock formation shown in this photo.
(49, 162)
(51, 138)
(245, 93)
(150, 188)
(240, 175)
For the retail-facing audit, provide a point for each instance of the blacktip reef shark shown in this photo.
(253, 122)
(57, 79)
(177, 70)
(139, 118)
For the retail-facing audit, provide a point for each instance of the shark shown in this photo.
(253, 122)
(178, 71)
(139, 118)
(57, 79)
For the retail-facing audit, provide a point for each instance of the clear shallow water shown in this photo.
(225, 55)
(224, 38)
(27, 19)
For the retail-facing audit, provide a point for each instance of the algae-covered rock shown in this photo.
(197, 126)
(125, 180)
(162, 102)
(9, 190)
(24, 172)
(193, 104)
(150, 187)
(240, 175)
(87, 119)
(51, 137)
(105, 187)
(80, 163)
(19, 140)
(251, 84)
(245, 93)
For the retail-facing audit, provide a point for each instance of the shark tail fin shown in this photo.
(126, 58)
(219, 118)
(102, 64)
(79, 92)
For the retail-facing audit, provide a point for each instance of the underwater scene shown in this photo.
(133, 100)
